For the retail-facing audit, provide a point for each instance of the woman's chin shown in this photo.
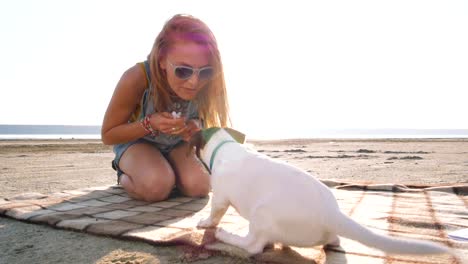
(187, 95)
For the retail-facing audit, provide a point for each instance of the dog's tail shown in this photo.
(347, 227)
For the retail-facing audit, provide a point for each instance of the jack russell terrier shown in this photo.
(282, 203)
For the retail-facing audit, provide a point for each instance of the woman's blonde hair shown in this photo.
(212, 101)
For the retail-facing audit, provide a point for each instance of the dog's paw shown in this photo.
(206, 223)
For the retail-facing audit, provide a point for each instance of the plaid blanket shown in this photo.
(423, 213)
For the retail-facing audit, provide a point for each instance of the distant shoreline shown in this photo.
(49, 130)
(41, 132)
(259, 142)
(85, 137)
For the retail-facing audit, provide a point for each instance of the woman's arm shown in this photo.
(127, 94)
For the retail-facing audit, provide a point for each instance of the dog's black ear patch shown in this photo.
(196, 141)
(238, 136)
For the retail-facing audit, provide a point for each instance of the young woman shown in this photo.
(158, 104)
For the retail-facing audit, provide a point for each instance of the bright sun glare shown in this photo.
(333, 64)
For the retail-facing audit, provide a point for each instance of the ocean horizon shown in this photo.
(94, 132)
(49, 132)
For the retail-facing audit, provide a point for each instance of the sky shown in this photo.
(290, 66)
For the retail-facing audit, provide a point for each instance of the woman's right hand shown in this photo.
(167, 124)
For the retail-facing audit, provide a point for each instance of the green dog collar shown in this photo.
(216, 151)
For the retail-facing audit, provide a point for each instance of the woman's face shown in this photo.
(188, 54)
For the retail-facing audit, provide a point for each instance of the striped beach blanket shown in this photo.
(430, 213)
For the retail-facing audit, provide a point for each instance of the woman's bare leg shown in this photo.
(148, 175)
(191, 176)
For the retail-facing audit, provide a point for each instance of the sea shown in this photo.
(49, 132)
(94, 132)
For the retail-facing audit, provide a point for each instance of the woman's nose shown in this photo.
(193, 79)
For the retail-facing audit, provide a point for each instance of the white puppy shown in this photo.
(282, 203)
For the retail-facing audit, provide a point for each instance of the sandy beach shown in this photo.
(48, 166)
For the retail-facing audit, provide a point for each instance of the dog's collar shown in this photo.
(216, 150)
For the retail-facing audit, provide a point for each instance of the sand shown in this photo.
(48, 166)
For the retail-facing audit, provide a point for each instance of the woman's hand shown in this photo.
(192, 126)
(167, 124)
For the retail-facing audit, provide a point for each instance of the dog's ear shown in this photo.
(196, 141)
(238, 136)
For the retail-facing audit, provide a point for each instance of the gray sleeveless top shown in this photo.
(187, 108)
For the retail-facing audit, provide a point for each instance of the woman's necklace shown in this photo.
(179, 106)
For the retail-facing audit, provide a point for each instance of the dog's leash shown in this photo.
(216, 151)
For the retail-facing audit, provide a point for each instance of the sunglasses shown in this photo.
(185, 72)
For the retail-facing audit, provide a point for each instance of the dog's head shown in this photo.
(200, 138)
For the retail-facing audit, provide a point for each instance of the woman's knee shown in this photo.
(152, 187)
(157, 187)
(150, 176)
(195, 186)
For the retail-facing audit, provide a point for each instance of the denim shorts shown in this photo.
(119, 150)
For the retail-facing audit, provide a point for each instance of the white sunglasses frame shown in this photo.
(194, 71)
